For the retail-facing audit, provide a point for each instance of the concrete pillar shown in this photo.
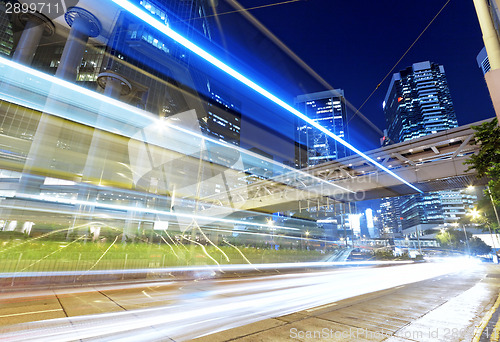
(492, 44)
(35, 26)
(83, 25)
(495, 10)
(490, 37)
(492, 78)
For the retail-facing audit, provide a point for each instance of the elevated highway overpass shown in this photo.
(431, 163)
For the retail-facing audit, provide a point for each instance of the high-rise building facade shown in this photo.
(390, 216)
(420, 209)
(313, 147)
(47, 59)
(328, 109)
(158, 71)
(418, 102)
(6, 34)
(456, 204)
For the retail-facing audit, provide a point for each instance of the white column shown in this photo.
(35, 26)
(83, 25)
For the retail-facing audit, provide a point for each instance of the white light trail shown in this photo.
(61, 200)
(216, 305)
(194, 269)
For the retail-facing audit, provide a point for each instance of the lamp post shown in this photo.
(476, 214)
(418, 239)
(456, 224)
(493, 205)
(496, 215)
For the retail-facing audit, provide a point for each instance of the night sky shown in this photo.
(354, 44)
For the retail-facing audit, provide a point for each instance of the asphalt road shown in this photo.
(385, 303)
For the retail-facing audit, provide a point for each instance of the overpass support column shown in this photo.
(83, 25)
(35, 26)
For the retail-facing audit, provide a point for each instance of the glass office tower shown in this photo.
(6, 34)
(418, 102)
(329, 110)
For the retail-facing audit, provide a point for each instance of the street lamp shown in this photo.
(475, 213)
(456, 224)
(493, 205)
(471, 187)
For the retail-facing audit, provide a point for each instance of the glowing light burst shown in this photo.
(161, 27)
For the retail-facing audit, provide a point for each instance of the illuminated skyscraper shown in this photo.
(418, 102)
(6, 34)
(328, 109)
(313, 147)
(47, 59)
(390, 215)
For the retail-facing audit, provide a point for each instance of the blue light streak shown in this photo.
(161, 27)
